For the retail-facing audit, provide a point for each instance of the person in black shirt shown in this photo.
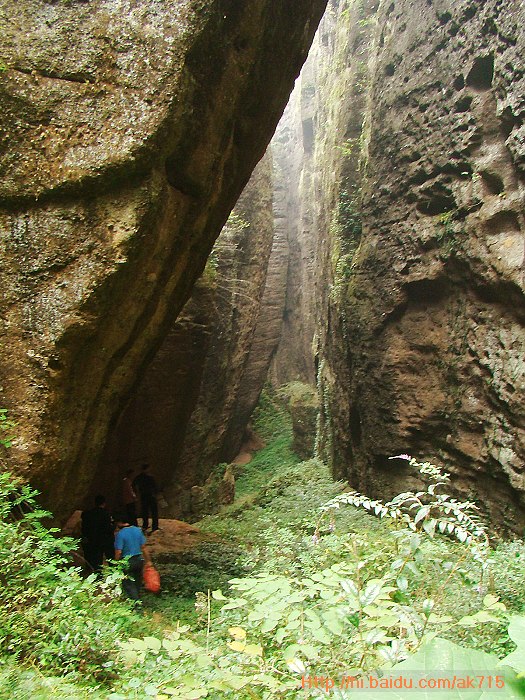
(129, 498)
(144, 484)
(97, 535)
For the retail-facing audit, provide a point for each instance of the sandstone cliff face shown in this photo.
(316, 150)
(292, 148)
(265, 340)
(127, 132)
(190, 410)
(317, 197)
(422, 337)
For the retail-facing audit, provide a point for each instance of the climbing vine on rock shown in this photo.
(6, 427)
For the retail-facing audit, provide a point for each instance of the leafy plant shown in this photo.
(6, 426)
(446, 234)
(463, 671)
(210, 565)
(47, 610)
(237, 222)
(426, 510)
(507, 567)
(23, 683)
(291, 617)
(354, 594)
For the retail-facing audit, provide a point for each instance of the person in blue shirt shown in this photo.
(130, 544)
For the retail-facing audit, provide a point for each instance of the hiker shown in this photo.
(146, 487)
(129, 498)
(130, 545)
(97, 535)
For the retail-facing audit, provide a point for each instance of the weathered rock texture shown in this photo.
(127, 132)
(292, 147)
(316, 151)
(195, 399)
(302, 402)
(422, 339)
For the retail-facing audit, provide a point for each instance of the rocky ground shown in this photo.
(176, 536)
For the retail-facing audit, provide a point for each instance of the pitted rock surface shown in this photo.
(424, 346)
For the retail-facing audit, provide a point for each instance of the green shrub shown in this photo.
(508, 571)
(270, 419)
(6, 427)
(49, 614)
(22, 683)
(315, 592)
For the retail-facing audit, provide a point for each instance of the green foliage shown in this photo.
(270, 419)
(346, 231)
(210, 565)
(273, 425)
(375, 603)
(457, 668)
(47, 613)
(180, 666)
(236, 223)
(426, 510)
(507, 565)
(349, 147)
(277, 627)
(17, 681)
(476, 673)
(277, 522)
(185, 575)
(319, 589)
(209, 274)
(348, 215)
(298, 393)
(516, 659)
(447, 234)
(346, 228)
(6, 427)
(337, 617)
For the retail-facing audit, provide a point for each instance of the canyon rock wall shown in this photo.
(317, 181)
(191, 408)
(421, 326)
(127, 132)
(291, 149)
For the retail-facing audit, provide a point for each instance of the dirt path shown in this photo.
(176, 536)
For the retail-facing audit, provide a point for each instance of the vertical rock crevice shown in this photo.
(191, 408)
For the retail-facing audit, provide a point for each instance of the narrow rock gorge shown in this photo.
(377, 253)
(190, 411)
